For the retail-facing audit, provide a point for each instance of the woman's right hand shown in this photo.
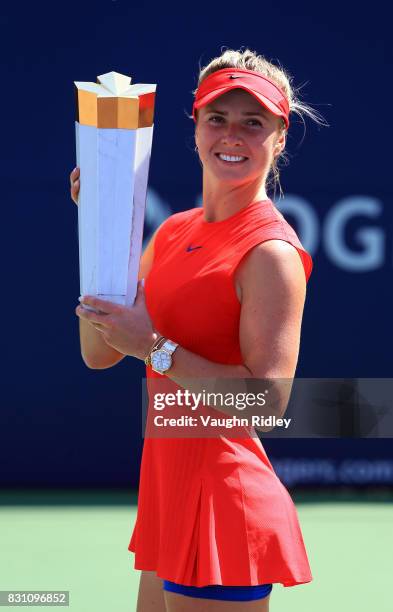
(75, 184)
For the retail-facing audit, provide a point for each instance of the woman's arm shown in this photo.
(273, 288)
(95, 352)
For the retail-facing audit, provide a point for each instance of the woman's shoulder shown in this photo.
(270, 226)
(279, 226)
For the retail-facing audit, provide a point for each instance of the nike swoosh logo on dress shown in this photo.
(191, 248)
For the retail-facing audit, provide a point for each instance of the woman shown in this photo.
(224, 295)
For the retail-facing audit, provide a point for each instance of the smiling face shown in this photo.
(237, 138)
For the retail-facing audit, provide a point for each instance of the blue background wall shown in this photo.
(63, 424)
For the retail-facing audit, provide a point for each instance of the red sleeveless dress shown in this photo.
(212, 510)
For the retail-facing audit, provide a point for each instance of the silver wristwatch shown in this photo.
(161, 359)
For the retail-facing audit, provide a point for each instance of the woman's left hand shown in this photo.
(128, 329)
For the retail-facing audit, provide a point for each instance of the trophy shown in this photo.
(114, 131)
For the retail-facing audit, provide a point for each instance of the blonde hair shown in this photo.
(250, 60)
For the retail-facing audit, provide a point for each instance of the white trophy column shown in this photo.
(116, 159)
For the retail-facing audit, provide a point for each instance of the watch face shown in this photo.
(161, 360)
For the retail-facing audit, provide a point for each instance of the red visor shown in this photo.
(259, 86)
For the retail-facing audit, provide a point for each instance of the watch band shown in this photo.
(169, 346)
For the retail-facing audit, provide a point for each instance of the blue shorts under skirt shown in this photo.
(226, 593)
